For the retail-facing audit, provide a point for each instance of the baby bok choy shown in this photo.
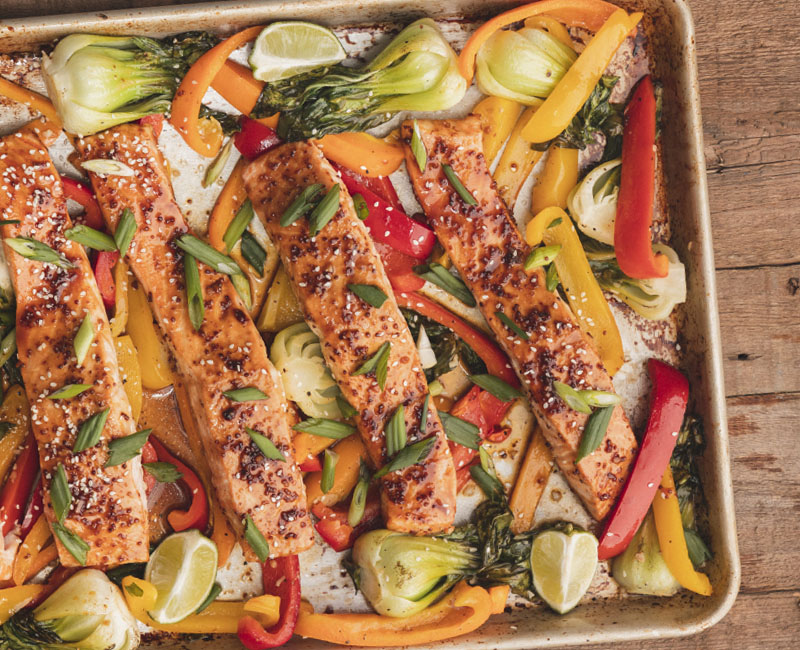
(417, 71)
(96, 82)
(87, 612)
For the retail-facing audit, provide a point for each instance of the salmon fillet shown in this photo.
(226, 353)
(108, 507)
(489, 253)
(422, 498)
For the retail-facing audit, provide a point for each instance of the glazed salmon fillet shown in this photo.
(225, 354)
(420, 499)
(108, 506)
(488, 251)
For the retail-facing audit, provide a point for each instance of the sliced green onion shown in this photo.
(408, 456)
(360, 204)
(600, 397)
(60, 495)
(8, 346)
(359, 501)
(242, 286)
(76, 547)
(69, 391)
(301, 204)
(460, 431)
(379, 363)
(491, 487)
(423, 416)
(369, 294)
(542, 256)
(238, 225)
(555, 222)
(91, 238)
(83, 339)
(133, 589)
(121, 450)
(418, 148)
(435, 388)
(594, 432)
(324, 211)
(107, 167)
(162, 472)
(496, 386)
(325, 428)
(458, 186)
(486, 461)
(328, 470)
(194, 292)
(571, 397)
(253, 253)
(441, 277)
(510, 324)
(9, 222)
(266, 445)
(395, 432)
(216, 590)
(255, 539)
(35, 250)
(126, 229)
(345, 407)
(248, 394)
(215, 168)
(90, 431)
(207, 255)
(552, 279)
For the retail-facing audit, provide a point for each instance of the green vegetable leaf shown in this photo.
(126, 229)
(121, 450)
(207, 255)
(542, 256)
(255, 539)
(216, 590)
(163, 472)
(491, 487)
(90, 431)
(594, 432)
(369, 294)
(325, 428)
(496, 386)
(83, 339)
(510, 324)
(395, 432)
(458, 186)
(408, 456)
(253, 253)
(418, 148)
(345, 407)
(597, 115)
(91, 238)
(194, 292)
(698, 551)
(324, 211)
(441, 277)
(330, 458)
(460, 431)
(247, 394)
(35, 250)
(60, 494)
(69, 391)
(76, 547)
(377, 363)
(266, 445)
(301, 204)
(360, 204)
(238, 225)
(571, 397)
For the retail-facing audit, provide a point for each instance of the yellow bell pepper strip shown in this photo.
(499, 596)
(671, 538)
(220, 617)
(552, 27)
(31, 99)
(281, 308)
(44, 557)
(188, 99)
(534, 231)
(362, 152)
(583, 292)
(464, 610)
(221, 533)
(120, 320)
(128, 358)
(15, 410)
(516, 162)
(153, 356)
(499, 117)
(14, 599)
(589, 14)
(26, 555)
(577, 84)
(351, 451)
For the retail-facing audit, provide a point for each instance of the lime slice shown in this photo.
(285, 49)
(183, 569)
(563, 563)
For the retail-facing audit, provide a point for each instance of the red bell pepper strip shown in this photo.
(632, 240)
(668, 400)
(334, 528)
(33, 511)
(17, 488)
(496, 361)
(281, 577)
(155, 120)
(254, 138)
(197, 514)
(312, 464)
(389, 224)
(149, 455)
(380, 185)
(104, 274)
(400, 268)
(81, 193)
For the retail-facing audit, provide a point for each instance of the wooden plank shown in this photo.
(760, 323)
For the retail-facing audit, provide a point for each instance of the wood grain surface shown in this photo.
(749, 70)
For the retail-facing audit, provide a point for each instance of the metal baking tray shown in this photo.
(671, 49)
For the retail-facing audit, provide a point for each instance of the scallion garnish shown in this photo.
(408, 456)
(360, 204)
(208, 255)
(379, 363)
(83, 339)
(496, 386)
(121, 450)
(247, 394)
(441, 277)
(91, 238)
(324, 211)
(345, 407)
(418, 148)
(359, 501)
(107, 167)
(8, 346)
(253, 253)
(75, 545)
(301, 204)
(9, 222)
(215, 168)
(163, 472)
(491, 487)
(460, 431)
(600, 398)
(194, 292)
(551, 279)
(328, 470)
(265, 445)
(35, 250)
(594, 432)
(126, 229)
(242, 286)
(423, 417)
(510, 324)
(216, 590)
(60, 495)
(555, 222)
(395, 432)
(458, 186)
(571, 397)
(255, 539)
(238, 225)
(369, 294)
(90, 431)
(69, 391)
(325, 428)
(542, 256)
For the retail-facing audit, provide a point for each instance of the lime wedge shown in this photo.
(182, 569)
(563, 563)
(285, 49)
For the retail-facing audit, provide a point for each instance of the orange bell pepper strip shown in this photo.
(362, 152)
(464, 610)
(14, 599)
(239, 87)
(189, 96)
(589, 14)
(351, 451)
(44, 557)
(672, 540)
(26, 555)
(33, 100)
(15, 410)
(499, 597)
(570, 94)
(308, 446)
(221, 533)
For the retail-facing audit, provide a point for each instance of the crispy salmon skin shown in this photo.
(489, 253)
(225, 354)
(422, 498)
(108, 508)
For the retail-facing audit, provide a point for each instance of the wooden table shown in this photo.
(750, 84)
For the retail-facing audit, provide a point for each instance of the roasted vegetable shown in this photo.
(593, 202)
(597, 115)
